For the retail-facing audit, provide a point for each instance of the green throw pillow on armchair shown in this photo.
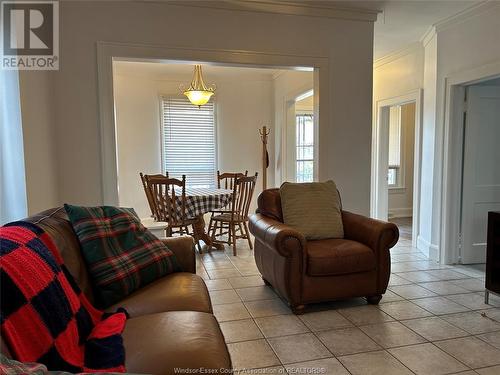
(313, 209)
(121, 254)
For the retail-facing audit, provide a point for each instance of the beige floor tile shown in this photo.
(472, 322)
(347, 341)
(418, 276)
(447, 274)
(329, 366)
(434, 328)
(231, 311)
(439, 305)
(267, 308)
(407, 257)
(280, 325)
(404, 310)
(474, 301)
(220, 297)
(374, 363)
(298, 348)
(403, 267)
(412, 291)
(240, 330)
(392, 334)
(256, 293)
(397, 280)
(245, 282)
(443, 287)
(389, 296)
(473, 285)
(495, 370)
(218, 265)
(252, 354)
(223, 273)
(366, 314)
(427, 359)
(324, 320)
(472, 351)
(219, 284)
(492, 338)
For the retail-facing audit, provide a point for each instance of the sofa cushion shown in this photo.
(121, 254)
(337, 257)
(175, 292)
(269, 204)
(159, 343)
(312, 209)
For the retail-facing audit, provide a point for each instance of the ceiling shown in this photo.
(404, 22)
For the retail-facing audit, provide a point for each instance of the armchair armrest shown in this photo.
(183, 248)
(375, 234)
(280, 237)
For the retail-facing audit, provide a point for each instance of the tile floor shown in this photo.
(432, 320)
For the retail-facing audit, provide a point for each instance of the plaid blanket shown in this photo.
(44, 317)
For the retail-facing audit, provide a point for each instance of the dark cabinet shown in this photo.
(493, 255)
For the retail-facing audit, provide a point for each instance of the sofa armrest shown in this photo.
(375, 234)
(280, 237)
(183, 248)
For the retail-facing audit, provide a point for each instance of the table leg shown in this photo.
(201, 234)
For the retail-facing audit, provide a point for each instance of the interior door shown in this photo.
(481, 169)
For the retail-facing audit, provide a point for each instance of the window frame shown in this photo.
(304, 113)
(161, 98)
(400, 170)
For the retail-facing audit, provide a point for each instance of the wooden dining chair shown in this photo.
(226, 180)
(148, 192)
(238, 215)
(170, 206)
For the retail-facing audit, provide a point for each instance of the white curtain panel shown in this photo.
(13, 203)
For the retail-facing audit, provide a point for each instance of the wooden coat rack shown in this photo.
(264, 132)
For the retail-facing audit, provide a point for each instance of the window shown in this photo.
(395, 144)
(188, 141)
(305, 148)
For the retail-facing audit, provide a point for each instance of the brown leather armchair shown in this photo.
(305, 272)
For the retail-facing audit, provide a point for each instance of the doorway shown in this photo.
(396, 163)
(480, 188)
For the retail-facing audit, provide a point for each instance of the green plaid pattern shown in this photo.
(121, 254)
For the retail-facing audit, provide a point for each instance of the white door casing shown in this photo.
(481, 169)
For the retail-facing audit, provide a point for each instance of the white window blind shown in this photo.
(188, 141)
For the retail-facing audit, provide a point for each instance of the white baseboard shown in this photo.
(429, 249)
(400, 212)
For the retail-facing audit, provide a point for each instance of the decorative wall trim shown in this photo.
(428, 35)
(320, 9)
(429, 249)
(472, 11)
(400, 212)
(412, 48)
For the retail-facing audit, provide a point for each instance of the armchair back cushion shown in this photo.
(312, 209)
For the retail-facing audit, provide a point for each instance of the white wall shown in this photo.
(39, 140)
(347, 44)
(243, 106)
(401, 199)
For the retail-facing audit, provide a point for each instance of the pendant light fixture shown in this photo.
(198, 93)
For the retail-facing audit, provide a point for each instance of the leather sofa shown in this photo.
(304, 272)
(171, 323)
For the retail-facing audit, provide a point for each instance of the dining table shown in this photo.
(199, 201)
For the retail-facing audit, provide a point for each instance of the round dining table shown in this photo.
(200, 201)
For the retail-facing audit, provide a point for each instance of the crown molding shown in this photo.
(412, 48)
(428, 35)
(475, 10)
(295, 8)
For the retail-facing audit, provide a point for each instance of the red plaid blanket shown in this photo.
(44, 317)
